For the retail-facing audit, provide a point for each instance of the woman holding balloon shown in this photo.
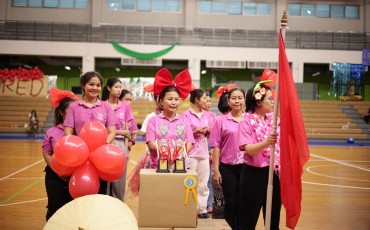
(123, 113)
(56, 183)
(91, 108)
(168, 130)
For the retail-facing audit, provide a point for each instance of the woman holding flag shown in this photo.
(256, 137)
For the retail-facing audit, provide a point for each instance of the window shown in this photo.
(66, 4)
(127, 4)
(294, 9)
(205, 6)
(337, 11)
(308, 10)
(250, 8)
(323, 10)
(78, 4)
(234, 8)
(219, 7)
(263, 8)
(351, 12)
(143, 5)
(51, 3)
(35, 3)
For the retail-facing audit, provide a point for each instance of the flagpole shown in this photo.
(283, 24)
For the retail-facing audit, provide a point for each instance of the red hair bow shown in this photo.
(269, 75)
(57, 95)
(223, 89)
(182, 82)
(149, 88)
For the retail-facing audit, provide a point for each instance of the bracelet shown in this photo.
(132, 141)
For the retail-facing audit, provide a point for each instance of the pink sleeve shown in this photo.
(69, 120)
(150, 130)
(133, 125)
(111, 117)
(128, 113)
(245, 133)
(46, 144)
(215, 138)
(189, 132)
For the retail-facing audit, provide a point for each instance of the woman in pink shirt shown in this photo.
(56, 185)
(91, 108)
(227, 158)
(123, 113)
(199, 155)
(168, 130)
(256, 137)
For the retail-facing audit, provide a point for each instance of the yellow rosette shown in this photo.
(190, 183)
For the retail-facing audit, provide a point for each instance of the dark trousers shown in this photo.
(253, 184)
(57, 192)
(230, 185)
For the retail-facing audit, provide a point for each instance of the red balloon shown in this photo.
(84, 181)
(111, 176)
(108, 159)
(94, 134)
(71, 151)
(60, 169)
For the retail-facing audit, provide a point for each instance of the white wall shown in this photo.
(189, 17)
(89, 51)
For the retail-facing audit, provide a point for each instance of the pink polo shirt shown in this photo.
(51, 138)
(124, 114)
(160, 127)
(200, 147)
(253, 130)
(224, 135)
(78, 114)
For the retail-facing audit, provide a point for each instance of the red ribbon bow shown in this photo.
(149, 88)
(57, 95)
(223, 89)
(182, 82)
(269, 75)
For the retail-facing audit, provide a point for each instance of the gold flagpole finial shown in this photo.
(284, 19)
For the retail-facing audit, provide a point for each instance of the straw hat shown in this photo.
(93, 212)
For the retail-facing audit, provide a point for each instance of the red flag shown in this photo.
(293, 141)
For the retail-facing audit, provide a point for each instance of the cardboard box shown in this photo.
(155, 228)
(161, 200)
(208, 224)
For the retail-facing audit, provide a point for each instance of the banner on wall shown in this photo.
(18, 88)
(366, 57)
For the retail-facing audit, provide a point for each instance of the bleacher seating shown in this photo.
(322, 119)
(14, 113)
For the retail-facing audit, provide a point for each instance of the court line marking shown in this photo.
(335, 185)
(324, 175)
(20, 191)
(29, 166)
(23, 202)
(340, 162)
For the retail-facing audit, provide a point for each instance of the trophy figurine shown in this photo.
(179, 156)
(162, 152)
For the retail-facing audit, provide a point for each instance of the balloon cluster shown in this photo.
(86, 158)
(21, 73)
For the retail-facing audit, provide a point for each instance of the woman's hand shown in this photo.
(271, 138)
(217, 179)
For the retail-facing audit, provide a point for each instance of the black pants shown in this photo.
(230, 186)
(253, 183)
(57, 192)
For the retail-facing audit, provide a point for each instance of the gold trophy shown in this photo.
(179, 156)
(162, 151)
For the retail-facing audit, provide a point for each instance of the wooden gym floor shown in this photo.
(336, 187)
